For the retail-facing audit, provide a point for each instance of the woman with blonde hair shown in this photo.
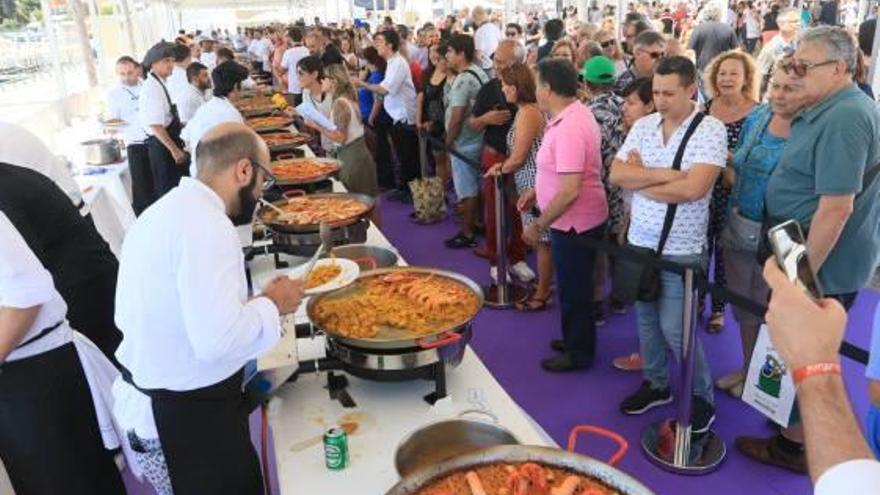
(611, 48)
(358, 172)
(731, 82)
(564, 48)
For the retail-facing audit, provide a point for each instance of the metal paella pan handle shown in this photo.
(446, 338)
(623, 445)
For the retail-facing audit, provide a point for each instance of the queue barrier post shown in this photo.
(670, 444)
(502, 294)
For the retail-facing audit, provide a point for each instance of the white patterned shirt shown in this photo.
(708, 145)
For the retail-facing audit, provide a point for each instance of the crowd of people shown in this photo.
(683, 136)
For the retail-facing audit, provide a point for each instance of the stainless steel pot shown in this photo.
(101, 151)
(366, 256)
(305, 244)
(581, 464)
(444, 440)
(450, 352)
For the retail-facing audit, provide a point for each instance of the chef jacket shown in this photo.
(65, 242)
(177, 84)
(217, 110)
(154, 107)
(209, 60)
(261, 49)
(189, 102)
(25, 283)
(21, 147)
(182, 301)
(122, 103)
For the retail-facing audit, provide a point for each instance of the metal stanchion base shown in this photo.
(707, 450)
(515, 294)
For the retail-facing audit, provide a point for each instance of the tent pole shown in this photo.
(129, 28)
(55, 53)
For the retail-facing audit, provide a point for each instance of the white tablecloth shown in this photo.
(107, 195)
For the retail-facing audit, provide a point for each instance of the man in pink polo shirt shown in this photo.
(571, 202)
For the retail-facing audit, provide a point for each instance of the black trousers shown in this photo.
(90, 308)
(385, 168)
(406, 144)
(49, 438)
(574, 263)
(143, 188)
(206, 440)
(166, 172)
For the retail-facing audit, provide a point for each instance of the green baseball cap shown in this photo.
(599, 70)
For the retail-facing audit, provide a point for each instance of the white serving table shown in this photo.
(386, 412)
(108, 198)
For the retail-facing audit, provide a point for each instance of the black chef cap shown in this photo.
(160, 50)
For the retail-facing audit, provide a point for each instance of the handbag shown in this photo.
(741, 233)
(633, 280)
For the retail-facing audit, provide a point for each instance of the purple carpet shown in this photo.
(512, 345)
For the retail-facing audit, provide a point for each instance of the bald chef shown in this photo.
(188, 325)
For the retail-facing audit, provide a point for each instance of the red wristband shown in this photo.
(801, 374)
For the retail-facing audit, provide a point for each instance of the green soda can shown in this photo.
(336, 448)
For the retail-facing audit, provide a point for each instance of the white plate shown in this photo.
(350, 272)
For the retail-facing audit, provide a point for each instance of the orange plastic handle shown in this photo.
(293, 192)
(446, 339)
(369, 260)
(623, 445)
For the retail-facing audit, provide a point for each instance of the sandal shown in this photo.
(533, 304)
(716, 323)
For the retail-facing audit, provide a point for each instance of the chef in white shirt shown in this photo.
(291, 57)
(52, 436)
(260, 49)
(19, 146)
(224, 55)
(122, 104)
(196, 93)
(228, 78)
(208, 58)
(159, 117)
(177, 82)
(188, 324)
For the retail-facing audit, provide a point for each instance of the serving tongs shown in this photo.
(326, 246)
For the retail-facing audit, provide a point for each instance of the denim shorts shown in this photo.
(467, 178)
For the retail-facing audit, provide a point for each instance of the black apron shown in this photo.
(166, 172)
(205, 437)
(49, 437)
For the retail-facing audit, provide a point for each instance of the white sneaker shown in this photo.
(493, 272)
(523, 272)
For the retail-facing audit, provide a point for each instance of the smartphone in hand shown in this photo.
(790, 250)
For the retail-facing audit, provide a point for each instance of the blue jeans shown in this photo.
(574, 264)
(661, 329)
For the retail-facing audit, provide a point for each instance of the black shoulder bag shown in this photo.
(633, 280)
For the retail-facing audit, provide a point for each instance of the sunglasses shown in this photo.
(607, 44)
(269, 177)
(800, 68)
(654, 55)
